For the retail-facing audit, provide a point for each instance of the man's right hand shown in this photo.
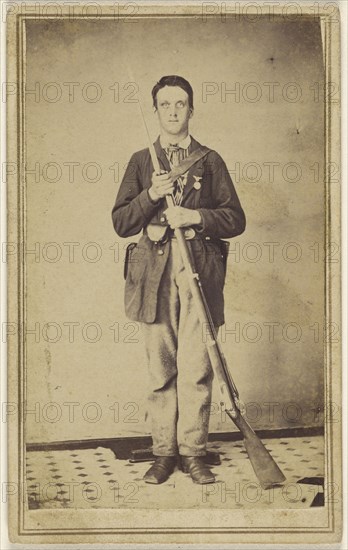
(162, 185)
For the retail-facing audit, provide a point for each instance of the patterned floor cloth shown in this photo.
(95, 478)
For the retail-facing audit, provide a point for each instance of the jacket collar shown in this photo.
(184, 143)
(163, 157)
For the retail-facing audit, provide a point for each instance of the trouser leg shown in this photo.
(161, 340)
(195, 375)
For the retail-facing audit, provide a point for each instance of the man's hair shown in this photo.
(172, 80)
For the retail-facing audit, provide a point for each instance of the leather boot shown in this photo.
(198, 470)
(160, 469)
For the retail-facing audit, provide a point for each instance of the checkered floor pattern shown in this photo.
(95, 478)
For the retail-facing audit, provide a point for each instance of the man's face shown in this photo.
(173, 109)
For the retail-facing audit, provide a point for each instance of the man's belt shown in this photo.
(161, 234)
(189, 234)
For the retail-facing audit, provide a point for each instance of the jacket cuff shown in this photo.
(201, 228)
(147, 205)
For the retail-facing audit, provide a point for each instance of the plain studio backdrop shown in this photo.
(258, 97)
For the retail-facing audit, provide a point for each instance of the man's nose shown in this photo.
(173, 111)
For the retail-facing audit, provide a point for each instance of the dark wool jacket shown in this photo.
(222, 217)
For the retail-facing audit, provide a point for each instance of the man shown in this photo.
(157, 291)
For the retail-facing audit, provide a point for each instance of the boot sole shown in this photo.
(211, 480)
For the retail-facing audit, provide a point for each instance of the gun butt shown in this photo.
(266, 469)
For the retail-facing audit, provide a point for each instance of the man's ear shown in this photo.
(191, 113)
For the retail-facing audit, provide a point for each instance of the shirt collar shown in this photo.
(184, 144)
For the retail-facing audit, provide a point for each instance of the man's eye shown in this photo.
(180, 104)
(165, 104)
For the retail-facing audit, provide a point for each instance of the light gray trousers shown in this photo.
(180, 373)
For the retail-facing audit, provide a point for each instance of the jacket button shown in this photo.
(160, 252)
(207, 238)
(162, 219)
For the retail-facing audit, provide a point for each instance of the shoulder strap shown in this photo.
(189, 161)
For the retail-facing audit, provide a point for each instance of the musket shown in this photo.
(266, 469)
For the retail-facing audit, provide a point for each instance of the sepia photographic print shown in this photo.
(173, 263)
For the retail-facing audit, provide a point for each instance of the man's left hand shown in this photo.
(178, 216)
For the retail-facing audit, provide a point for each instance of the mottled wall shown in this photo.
(271, 135)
